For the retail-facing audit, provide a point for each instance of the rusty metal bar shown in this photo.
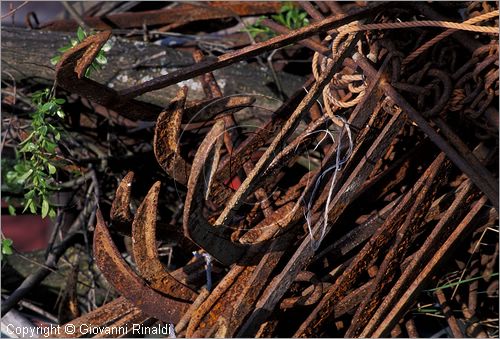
(249, 52)
(439, 257)
(420, 259)
(388, 269)
(254, 177)
(309, 43)
(304, 252)
(466, 153)
(491, 192)
(448, 313)
(184, 12)
(367, 254)
(311, 10)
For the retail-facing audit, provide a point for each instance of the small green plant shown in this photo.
(99, 60)
(6, 248)
(289, 16)
(35, 166)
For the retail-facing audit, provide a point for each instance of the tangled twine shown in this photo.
(353, 84)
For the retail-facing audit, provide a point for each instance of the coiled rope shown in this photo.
(319, 62)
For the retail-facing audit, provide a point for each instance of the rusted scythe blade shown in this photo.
(146, 253)
(196, 227)
(133, 288)
(120, 214)
(70, 76)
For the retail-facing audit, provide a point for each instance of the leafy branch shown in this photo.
(36, 166)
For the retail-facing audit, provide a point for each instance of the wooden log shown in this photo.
(26, 55)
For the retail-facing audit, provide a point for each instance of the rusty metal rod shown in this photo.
(309, 43)
(248, 52)
(455, 157)
(420, 259)
(311, 10)
(439, 257)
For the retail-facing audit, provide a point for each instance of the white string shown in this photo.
(208, 267)
(336, 167)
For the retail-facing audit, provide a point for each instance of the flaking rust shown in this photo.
(259, 279)
(146, 252)
(126, 281)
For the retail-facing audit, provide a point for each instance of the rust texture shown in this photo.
(356, 238)
(131, 286)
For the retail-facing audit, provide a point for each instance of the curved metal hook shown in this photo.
(166, 139)
(146, 253)
(195, 225)
(125, 280)
(70, 73)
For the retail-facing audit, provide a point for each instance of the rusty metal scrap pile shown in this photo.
(408, 143)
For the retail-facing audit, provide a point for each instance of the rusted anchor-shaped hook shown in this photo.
(166, 140)
(70, 76)
(196, 226)
(131, 286)
(144, 239)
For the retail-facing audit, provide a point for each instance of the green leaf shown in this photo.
(43, 130)
(28, 203)
(59, 101)
(64, 49)
(47, 107)
(20, 168)
(52, 168)
(289, 19)
(80, 33)
(30, 195)
(45, 208)
(50, 146)
(33, 207)
(52, 213)
(100, 58)
(25, 176)
(55, 60)
(12, 210)
(60, 114)
(29, 147)
(7, 246)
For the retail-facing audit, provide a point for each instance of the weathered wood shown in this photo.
(26, 55)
